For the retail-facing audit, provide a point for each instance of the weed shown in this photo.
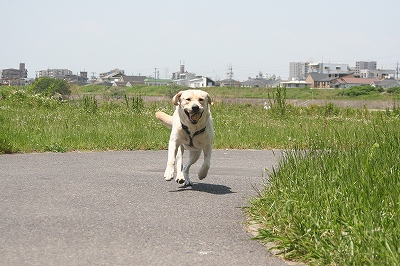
(90, 104)
(278, 103)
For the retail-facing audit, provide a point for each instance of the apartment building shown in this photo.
(298, 70)
(330, 69)
(55, 73)
(361, 65)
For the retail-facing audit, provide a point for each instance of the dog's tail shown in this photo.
(164, 118)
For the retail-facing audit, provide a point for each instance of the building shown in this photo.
(14, 77)
(261, 83)
(361, 65)
(229, 83)
(386, 83)
(328, 68)
(182, 78)
(350, 81)
(295, 84)
(107, 78)
(157, 82)
(298, 70)
(132, 80)
(377, 73)
(55, 73)
(320, 80)
(200, 82)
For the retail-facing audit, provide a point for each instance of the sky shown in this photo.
(207, 36)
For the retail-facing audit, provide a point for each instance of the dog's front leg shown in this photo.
(172, 151)
(180, 176)
(203, 171)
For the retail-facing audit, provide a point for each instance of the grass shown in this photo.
(236, 92)
(33, 123)
(337, 204)
(332, 200)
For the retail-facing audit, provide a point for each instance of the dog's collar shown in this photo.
(190, 135)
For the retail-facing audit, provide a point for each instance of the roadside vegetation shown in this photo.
(332, 200)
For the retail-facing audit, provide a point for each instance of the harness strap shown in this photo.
(190, 135)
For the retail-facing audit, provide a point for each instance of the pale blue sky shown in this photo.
(208, 35)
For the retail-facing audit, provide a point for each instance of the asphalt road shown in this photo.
(114, 208)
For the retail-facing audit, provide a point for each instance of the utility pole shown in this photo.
(155, 76)
(229, 74)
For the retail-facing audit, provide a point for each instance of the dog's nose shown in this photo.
(195, 108)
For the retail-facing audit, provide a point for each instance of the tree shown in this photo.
(51, 86)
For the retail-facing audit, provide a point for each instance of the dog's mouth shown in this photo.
(194, 118)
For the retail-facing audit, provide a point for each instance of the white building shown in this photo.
(377, 73)
(55, 73)
(298, 70)
(200, 82)
(328, 68)
(361, 65)
(295, 84)
(182, 78)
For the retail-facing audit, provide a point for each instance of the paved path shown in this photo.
(114, 208)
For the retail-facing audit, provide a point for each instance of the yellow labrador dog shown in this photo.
(192, 129)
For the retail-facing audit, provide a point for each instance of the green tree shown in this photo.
(51, 86)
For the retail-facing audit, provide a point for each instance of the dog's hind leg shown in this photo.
(203, 171)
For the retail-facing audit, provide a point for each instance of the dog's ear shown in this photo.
(209, 99)
(176, 99)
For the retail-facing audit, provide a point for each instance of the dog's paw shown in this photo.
(203, 172)
(188, 183)
(169, 173)
(180, 179)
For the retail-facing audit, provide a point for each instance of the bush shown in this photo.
(393, 90)
(359, 90)
(51, 86)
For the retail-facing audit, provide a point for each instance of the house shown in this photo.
(320, 80)
(377, 73)
(261, 83)
(132, 80)
(157, 82)
(229, 83)
(386, 83)
(200, 82)
(118, 84)
(112, 75)
(295, 84)
(328, 68)
(349, 81)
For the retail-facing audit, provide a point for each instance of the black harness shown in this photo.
(190, 135)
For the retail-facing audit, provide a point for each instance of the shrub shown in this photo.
(359, 90)
(393, 90)
(51, 86)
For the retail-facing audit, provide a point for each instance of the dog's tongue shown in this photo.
(195, 117)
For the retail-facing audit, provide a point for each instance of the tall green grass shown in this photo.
(338, 202)
(34, 123)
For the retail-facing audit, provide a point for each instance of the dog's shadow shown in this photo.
(205, 187)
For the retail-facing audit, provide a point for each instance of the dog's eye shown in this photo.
(201, 99)
(188, 99)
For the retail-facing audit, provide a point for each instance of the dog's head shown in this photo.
(193, 102)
